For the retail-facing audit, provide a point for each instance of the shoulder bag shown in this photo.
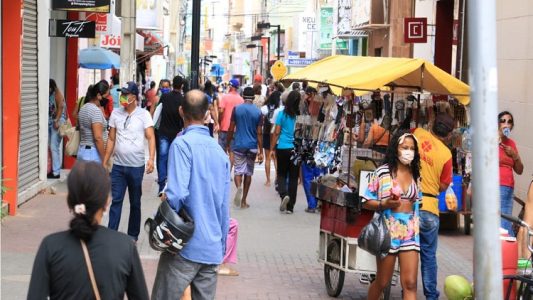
(375, 237)
(90, 269)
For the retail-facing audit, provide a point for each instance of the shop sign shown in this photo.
(361, 13)
(344, 16)
(72, 29)
(326, 29)
(299, 62)
(308, 23)
(101, 6)
(100, 20)
(278, 70)
(415, 30)
(147, 14)
(455, 32)
(111, 41)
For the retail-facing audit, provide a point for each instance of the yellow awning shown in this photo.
(365, 73)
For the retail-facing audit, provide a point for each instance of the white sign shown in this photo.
(364, 180)
(361, 13)
(308, 23)
(344, 15)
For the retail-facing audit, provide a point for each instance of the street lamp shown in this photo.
(263, 25)
(252, 46)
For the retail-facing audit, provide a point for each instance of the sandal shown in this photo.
(227, 272)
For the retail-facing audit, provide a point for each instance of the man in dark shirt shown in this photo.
(169, 127)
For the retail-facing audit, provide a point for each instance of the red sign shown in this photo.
(109, 41)
(415, 30)
(99, 19)
(455, 32)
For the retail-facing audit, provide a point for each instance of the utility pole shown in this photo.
(195, 43)
(128, 63)
(484, 92)
(173, 39)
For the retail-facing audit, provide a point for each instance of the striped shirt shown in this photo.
(89, 115)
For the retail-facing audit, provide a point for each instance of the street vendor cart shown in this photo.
(342, 215)
(341, 220)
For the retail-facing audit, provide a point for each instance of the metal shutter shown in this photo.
(29, 108)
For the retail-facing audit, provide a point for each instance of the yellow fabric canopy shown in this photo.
(365, 73)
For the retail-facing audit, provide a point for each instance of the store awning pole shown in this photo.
(485, 183)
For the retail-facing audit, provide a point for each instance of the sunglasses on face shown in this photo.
(508, 121)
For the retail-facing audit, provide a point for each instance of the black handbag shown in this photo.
(375, 236)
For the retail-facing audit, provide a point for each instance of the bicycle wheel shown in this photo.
(334, 278)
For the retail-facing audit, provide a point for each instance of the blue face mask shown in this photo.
(165, 90)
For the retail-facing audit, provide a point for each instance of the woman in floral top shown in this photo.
(394, 191)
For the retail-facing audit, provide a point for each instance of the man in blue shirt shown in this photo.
(246, 145)
(198, 180)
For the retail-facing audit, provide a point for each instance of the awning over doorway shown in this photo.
(153, 43)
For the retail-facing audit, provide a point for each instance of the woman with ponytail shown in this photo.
(93, 124)
(61, 270)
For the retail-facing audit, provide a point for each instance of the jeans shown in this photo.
(131, 178)
(287, 169)
(90, 154)
(54, 142)
(162, 163)
(175, 273)
(506, 200)
(429, 235)
(309, 173)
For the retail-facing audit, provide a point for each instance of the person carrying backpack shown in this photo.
(267, 111)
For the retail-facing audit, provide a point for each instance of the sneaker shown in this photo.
(284, 202)
(310, 210)
(52, 176)
(288, 212)
(238, 197)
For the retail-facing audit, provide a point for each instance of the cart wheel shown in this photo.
(468, 223)
(334, 277)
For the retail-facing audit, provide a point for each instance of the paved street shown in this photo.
(277, 253)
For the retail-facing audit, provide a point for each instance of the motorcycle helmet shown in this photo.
(168, 230)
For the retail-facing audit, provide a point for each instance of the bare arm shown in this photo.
(59, 107)
(152, 108)
(361, 135)
(150, 136)
(110, 145)
(98, 135)
(369, 139)
(274, 138)
(230, 135)
(260, 139)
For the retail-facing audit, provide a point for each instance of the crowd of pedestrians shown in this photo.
(196, 139)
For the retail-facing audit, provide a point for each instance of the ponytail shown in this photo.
(88, 191)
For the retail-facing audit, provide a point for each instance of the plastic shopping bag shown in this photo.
(375, 237)
(451, 199)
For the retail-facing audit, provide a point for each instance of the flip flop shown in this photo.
(227, 272)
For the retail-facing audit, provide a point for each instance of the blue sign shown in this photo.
(299, 62)
(217, 70)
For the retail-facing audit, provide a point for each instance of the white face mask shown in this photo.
(406, 156)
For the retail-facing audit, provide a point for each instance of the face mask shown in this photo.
(104, 102)
(406, 156)
(124, 101)
(165, 90)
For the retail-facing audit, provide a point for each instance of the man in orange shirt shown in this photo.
(436, 171)
(225, 109)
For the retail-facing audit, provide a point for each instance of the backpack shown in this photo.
(267, 124)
